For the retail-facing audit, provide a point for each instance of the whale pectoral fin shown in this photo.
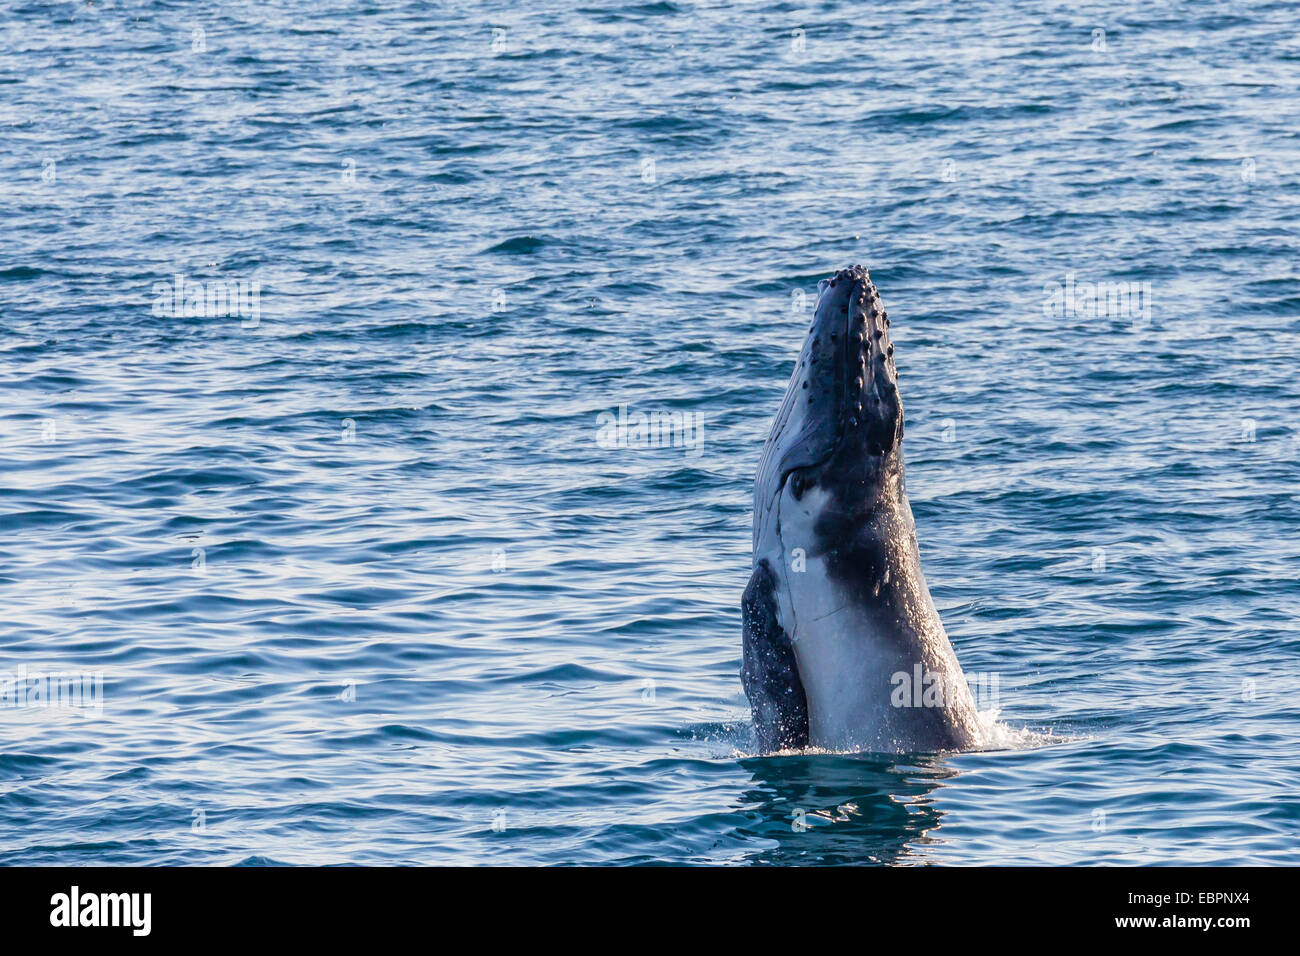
(770, 673)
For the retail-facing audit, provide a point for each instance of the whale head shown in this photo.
(840, 428)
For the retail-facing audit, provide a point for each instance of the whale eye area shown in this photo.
(798, 483)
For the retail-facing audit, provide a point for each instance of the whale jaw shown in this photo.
(841, 408)
(851, 618)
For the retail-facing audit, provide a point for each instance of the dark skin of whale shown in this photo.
(769, 670)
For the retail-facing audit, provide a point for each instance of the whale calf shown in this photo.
(843, 646)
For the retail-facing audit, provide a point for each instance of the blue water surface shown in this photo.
(363, 585)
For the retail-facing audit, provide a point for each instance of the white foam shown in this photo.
(999, 736)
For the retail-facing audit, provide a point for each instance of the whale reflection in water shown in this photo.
(827, 809)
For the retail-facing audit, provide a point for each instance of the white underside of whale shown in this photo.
(850, 668)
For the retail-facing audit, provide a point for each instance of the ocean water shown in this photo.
(345, 567)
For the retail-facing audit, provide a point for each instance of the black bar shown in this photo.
(300, 906)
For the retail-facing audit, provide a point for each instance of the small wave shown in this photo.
(19, 273)
(736, 741)
(518, 245)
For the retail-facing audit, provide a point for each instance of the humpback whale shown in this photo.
(843, 647)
